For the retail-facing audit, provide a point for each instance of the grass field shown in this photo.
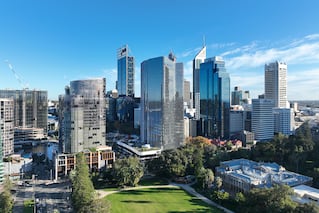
(157, 200)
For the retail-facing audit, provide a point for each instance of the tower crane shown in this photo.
(22, 84)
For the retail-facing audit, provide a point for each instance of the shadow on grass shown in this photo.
(136, 201)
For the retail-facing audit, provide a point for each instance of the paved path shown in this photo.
(186, 187)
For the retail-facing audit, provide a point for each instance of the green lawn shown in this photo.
(157, 200)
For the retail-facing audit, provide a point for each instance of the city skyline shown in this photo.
(50, 44)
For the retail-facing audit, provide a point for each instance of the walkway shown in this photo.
(186, 187)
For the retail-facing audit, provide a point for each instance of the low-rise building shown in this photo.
(305, 194)
(100, 158)
(241, 175)
(145, 152)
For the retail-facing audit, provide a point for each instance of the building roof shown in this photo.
(261, 174)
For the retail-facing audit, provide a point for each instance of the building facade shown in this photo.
(125, 72)
(30, 107)
(187, 95)
(214, 98)
(284, 120)
(83, 116)
(162, 119)
(7, 126)
(276, 83)
(199, 58)
(262, 119)
(1, 156)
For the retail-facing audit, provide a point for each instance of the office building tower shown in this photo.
(7, 126)
(262, 119)
(125, 72)
(236, 96)
(276, 83)
(1, 156)
(30, 108)
(284, 120)
(83, 115)
(162, 120)
(199, 58)
(237, 122)
(214, 98)
(187, 94)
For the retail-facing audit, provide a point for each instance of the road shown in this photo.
(48, 196)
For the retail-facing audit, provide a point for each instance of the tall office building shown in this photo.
(125, 72)
(30, 108)
(276, 83)
(7, 126)
(199, 58)
(236, 96)
(214, 98)
(162, 119)
(83, 121)
(1, 156)
(187, 94)
(262, 119)
(284, 120)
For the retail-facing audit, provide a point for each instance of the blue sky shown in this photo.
(49, 43)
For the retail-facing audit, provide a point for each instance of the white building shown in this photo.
(7, 126)
(284, 121)
(305, 194)
(276, 83)
(262, 121)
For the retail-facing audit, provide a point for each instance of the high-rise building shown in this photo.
(83, 116)
(276, 83)
(199, 58)
(7, 126)
(236, 96)
(162, 119)
(284, 120)
(125, 72)
(1, 156)
(187, 94)
(30, 108)
(262, 119)
(214, 98)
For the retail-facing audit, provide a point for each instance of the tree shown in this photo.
(218, 182)
(128, 171)
(83, 193)
(205, 178)
(274, 199)
(6, 200)
(307, 208)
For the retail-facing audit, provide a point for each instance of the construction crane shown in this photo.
(22, 84)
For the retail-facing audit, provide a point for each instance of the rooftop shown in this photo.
(261, 174)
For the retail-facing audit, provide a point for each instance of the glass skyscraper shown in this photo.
(83, 121)
(214, 98)
(276, 83)
(199, 58)
(162, 120)
(125, 72)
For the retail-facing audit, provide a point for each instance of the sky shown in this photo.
(49, 43)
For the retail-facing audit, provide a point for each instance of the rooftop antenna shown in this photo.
(204, 41)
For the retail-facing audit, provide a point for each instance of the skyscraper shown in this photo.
(236, 96)
(162, 120)
(276, 83)
(30, 108)
(199, 58)
(7, 126)
(83, 122)
(214, 92)
(187, 94)
(262, 119)
(125, 72)
(1, 156)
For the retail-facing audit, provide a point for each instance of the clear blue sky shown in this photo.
(49, 43)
